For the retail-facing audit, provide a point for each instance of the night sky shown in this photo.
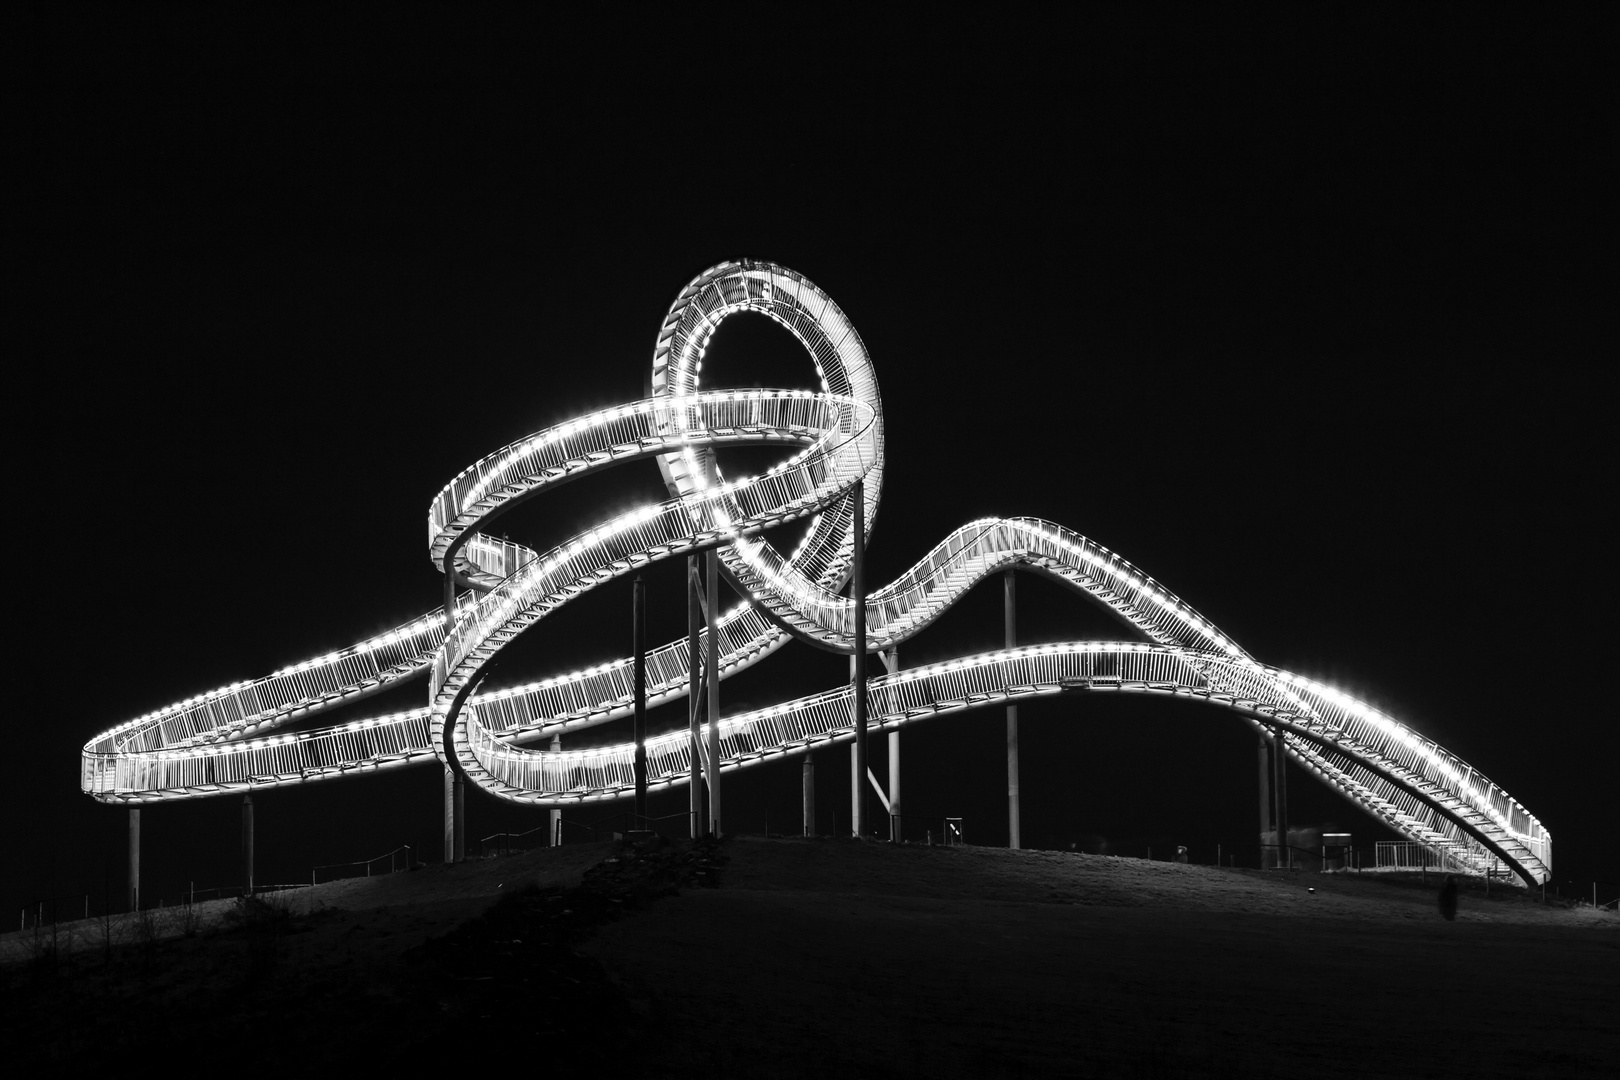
(1300, 319)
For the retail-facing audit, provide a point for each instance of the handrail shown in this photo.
(314, 871)
(231, 739)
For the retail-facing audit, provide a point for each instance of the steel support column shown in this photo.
(449, 815)
(1010, 613)
(247, 844)
(711, 591)
(891, 663)
(449, 594)
(555, 815)
(1267, 835)
(694, 697)
(858, 596)
(639, 638)
(894, 787)
(856, 795)
(461, 819)
(1279, 762)
(455, 799)
(135, 858)
(455, 810)
(809, 777)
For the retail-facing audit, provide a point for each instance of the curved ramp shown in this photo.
(233, 738)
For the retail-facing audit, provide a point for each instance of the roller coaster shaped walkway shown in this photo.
(233, 739)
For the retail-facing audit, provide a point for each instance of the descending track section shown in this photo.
(247, 735)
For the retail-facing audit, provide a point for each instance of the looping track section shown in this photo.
(253, 735)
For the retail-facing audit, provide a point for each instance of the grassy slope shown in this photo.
(824, 958)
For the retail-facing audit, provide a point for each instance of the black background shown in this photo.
(1298, 316)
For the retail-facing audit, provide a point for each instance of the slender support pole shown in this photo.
(891, 661)
(455, 829)
(694, 696)
(877, 789)
(461, 819)
(858, 596)
(639, 634)
(555, 839)
(856, 795)
(1279, 759)
(809, 796)
(894, 787)
(455, 799)
(247, 844)
(1010, 611)
(712, 593)
(134, 859)
(1267, 836)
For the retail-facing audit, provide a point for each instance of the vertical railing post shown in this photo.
(1010, 615)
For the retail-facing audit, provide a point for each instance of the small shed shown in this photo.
(1338, 853)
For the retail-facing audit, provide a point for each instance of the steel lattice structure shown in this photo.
(232, 739)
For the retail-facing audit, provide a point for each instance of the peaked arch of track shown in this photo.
(234, 738)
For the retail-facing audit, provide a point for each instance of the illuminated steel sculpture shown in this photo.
(230, 739)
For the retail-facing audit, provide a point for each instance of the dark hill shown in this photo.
(834, 958)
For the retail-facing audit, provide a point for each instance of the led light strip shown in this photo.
(216, 742)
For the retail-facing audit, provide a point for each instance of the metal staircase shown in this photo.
(235, 738)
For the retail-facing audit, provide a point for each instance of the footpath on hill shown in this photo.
(757, 957)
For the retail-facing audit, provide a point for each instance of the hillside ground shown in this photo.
(773, 957)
